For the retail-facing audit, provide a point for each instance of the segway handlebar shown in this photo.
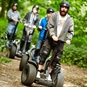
(29, 26)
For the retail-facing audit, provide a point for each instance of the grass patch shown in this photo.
(5, 60)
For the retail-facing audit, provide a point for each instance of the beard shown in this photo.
(14, 9)
(63, 12)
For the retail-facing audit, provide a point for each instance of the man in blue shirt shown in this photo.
(43, 32)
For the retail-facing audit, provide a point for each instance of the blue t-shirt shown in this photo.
(43, 23)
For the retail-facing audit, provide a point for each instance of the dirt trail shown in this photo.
(10, 76)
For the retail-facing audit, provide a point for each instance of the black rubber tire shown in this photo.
(23, 61)
(12, 51)
(60, 80)
(28, 74)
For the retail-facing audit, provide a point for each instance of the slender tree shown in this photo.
(3, 8)
(9, 4)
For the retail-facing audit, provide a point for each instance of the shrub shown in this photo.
(75, 55)
(4, 60)
(79, 40)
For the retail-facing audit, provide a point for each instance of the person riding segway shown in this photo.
(32, 21)
(13, 16)
(43, 32)
(59, 30)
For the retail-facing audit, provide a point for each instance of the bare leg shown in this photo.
(40, 67)
(51, 69)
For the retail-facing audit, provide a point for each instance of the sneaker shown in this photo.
(38, 75)
(19, 52)
(26, 52)
(49, 78)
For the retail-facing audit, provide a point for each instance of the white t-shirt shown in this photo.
(60, 24)
(32, 18)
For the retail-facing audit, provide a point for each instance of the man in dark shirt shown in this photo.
(32, 20)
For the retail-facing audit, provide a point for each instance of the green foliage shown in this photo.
(35, 37)
(3, 26)
(75, 55)
(4, 60)
(78, 12)
(19, 31)
(79, 40)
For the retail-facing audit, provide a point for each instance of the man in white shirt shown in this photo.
(60, 31)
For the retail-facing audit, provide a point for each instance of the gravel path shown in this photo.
(10, 76)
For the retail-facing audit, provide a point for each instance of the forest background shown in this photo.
(76, 53)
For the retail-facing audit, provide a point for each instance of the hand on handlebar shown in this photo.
(26, 25)
(68, 41)
(21, 20)
(40, 27)
(15, 20)
(33, 26)
(54, 38)
(30, 26)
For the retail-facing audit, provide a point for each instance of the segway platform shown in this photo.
(44, 82)
(18, 55)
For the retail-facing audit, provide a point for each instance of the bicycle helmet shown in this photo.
(15, 4)
(36, 6)
(65, 4)
(50, 10)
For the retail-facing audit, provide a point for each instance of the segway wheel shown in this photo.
(28, 74)
(60, 80)
(12, 51)
(23, 61)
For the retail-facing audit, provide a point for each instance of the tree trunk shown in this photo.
(3, 6)
(9, 4)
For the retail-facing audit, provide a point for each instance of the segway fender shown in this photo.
(15, 42)
(33, 63)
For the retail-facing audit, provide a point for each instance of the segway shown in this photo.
(14, 47)
(26, 57)
(28, 76)
(14, 50)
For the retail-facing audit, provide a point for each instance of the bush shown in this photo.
(35, 37)
(4, 60)
(75, 55)
(79, 40)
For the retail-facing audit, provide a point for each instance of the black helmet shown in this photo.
(36, 6)
(50, 10)
(65, 3)
(15, 4)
